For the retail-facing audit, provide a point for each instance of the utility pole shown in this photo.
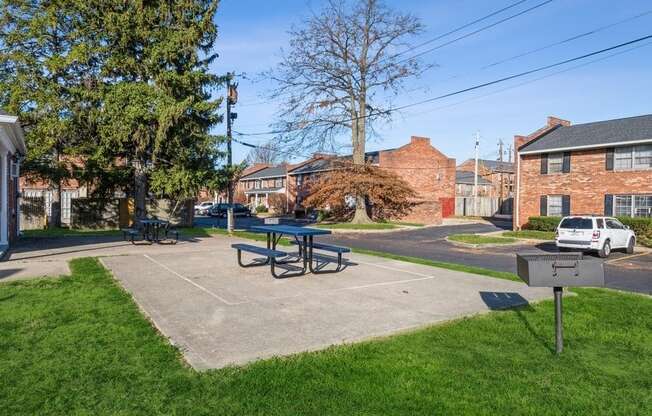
(475, 177)
(231, 99)
(500, 166)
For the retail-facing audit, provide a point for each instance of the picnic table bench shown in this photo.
(151, 230)
(303, 237)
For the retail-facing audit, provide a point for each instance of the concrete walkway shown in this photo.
(219, 314)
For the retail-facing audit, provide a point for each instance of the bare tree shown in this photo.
(342, 68)
(269, 153)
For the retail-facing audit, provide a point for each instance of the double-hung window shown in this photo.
(555, 208)
(633, 157)
(555, 162)
(633, 205)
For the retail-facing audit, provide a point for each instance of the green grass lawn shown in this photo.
(531, 234)
(480, 239)
(79, 345)
(349, 226)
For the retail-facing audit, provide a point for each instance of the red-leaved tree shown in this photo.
(388, 195)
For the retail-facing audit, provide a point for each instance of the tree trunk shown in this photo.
(55, 206)
(359, 139)
(140, 190)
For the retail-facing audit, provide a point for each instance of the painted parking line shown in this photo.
(198, 286)
(631, 256)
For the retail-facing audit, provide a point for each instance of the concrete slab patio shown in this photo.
(219, 314)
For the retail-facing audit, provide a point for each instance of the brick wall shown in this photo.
(587, 183)
(430, 173)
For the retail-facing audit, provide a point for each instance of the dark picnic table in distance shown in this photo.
(152, 230)
(303, 238)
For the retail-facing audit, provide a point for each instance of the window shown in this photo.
(577, 223)
(257, 184)
(279, 183)
(643, 205)
(623, 158)
(614, 224)
(633, 157)
(555, 162)
(554, 206)
(633, 205)
(643, 156)
(600, 222)
(623, 205)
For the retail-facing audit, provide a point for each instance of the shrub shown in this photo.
(641, 226)
(542, 223)
(261, 209)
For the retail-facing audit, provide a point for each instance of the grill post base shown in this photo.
(559, 326)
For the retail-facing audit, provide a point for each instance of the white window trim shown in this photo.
(552, 156)
(561, 205)
(631, 150)
(632, 208)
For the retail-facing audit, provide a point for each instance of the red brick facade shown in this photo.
(430, 173)
(586, 184)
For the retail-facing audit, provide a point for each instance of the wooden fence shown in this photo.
(482, 206)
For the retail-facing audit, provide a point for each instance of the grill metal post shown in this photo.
(559, 325)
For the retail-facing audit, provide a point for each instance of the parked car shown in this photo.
(220, 210)
(594, 233)
(203, 207)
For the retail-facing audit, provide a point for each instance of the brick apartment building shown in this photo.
(426, 169)
(602, 168)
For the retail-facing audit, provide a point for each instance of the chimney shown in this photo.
(555, 121)
(419, 140)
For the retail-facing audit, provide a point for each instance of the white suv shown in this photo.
(601, 234)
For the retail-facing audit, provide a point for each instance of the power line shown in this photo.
(464, 90)
(443, 35)
(530, 81)
(572, 38)
(482, 29)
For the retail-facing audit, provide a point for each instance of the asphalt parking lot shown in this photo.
(622, 271)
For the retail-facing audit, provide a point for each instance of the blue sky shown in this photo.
(251, 33)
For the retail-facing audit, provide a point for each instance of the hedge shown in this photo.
(640, 225)
(542, 223)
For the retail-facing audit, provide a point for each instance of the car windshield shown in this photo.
(577, 223)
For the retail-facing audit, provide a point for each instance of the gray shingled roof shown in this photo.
(271, 172)
(467, 178)
(597, 134)
(496, 165)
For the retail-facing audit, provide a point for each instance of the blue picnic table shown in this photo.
(303, 238)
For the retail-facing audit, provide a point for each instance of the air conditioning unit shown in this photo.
(14, 171)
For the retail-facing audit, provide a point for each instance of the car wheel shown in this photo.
(606, 250)
(630, 246)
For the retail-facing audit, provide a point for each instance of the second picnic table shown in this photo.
(303, 237)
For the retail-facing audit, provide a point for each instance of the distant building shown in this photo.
(499, 173)
(430, 173)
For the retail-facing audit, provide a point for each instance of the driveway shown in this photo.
(631, 273)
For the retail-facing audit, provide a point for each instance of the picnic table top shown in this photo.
(290, 230)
